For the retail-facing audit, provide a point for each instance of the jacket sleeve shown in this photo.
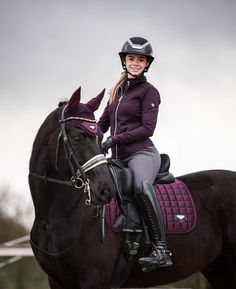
(150, 107)
(104, 120)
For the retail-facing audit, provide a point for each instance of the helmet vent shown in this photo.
(138, 46)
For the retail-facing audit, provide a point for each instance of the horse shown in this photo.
(69, 180)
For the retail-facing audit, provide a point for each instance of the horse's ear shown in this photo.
(94, 103)
(74, 101)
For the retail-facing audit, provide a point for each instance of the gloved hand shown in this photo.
(107, 144)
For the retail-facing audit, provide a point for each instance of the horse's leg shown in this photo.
(219, 275)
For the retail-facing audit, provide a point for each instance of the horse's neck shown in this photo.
(65, 215)
(62, 206)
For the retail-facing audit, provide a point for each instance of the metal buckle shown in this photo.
(75, 182)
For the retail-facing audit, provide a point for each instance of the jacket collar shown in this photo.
(139, 79)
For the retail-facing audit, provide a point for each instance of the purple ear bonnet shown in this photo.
(87, 121)
(82, 115)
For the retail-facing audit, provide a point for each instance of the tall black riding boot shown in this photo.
(150, 209)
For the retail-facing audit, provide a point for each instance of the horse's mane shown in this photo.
(43, 134)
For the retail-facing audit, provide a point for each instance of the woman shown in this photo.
(131, 115)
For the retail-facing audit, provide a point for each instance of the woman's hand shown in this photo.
(107, 144)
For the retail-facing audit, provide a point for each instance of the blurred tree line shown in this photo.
(26, 273)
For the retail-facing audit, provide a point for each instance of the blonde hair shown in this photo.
(115, 88)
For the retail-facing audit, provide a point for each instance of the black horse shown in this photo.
(69, 178)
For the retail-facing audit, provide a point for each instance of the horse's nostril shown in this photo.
(105, 194)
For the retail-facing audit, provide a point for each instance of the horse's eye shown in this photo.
(79, 138)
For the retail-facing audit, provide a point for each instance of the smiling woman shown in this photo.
(131, 115)
(135, 64)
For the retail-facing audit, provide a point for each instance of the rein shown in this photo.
(79, 179)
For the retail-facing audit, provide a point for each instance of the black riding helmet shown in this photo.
(137, 45)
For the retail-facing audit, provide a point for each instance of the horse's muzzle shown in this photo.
(103, 195)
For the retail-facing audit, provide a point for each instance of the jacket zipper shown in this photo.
(116, 113)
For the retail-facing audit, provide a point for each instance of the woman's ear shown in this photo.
(146, 68)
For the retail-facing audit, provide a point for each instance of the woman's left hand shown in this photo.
(107, 144)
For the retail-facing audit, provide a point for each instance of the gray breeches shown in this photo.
(145, 165)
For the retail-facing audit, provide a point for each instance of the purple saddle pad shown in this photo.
(176, 204)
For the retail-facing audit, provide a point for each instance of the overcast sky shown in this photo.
(50, 47)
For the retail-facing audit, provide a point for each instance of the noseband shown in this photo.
(79, 178)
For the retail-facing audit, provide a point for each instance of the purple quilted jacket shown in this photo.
(131, 117)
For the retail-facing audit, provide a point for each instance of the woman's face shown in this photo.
(135, 64)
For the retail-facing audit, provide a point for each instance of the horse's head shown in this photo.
(74, 150)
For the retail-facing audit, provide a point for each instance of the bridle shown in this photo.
(79, 179)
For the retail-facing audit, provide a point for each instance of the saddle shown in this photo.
(128, 217)
(123, 217)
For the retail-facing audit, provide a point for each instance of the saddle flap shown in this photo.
(123, 178)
